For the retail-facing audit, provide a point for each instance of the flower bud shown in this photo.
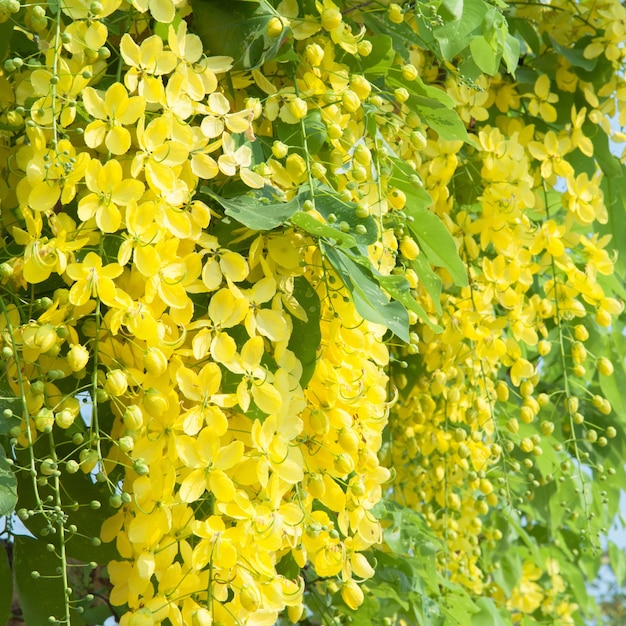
(314, 54)
(155, 362)
(65, 418)
(88, 460)
(409, 248)
(77, 357)
(133, 417)
(116, 383)
(154, 402)
(331, 18)
(352, 594)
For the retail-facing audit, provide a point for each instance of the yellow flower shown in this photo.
(585, 199)
(85, 37)
(93, 280)
(550, 152)
(540, 104)
(578, 137)
(148, 62)
(110, 190)
(208, 461)
(112, 111)
(255, 378)
(235, 158)
(202, 389)
(159, 156)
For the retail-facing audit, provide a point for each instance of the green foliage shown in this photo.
(6, 588)
(8, 485)
(36, 577)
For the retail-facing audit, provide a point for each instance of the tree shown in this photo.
(310, 311)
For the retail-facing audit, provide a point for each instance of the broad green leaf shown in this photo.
(306, 336)
(6, 34)
(484, 55)
(369, 299)
(574, 55)
(6, 585)
(437, 243)
(459, 607)
(8, 485)
(435, 109)
(402, 35)
(615, 201)
(511, 53)
(341, 215)
(408, 531)
(488, 614)
(524, 30)
(609, 163)
(237, 29)
(310, 134)
(42, 597)
(509, 573)
(406, 179)
(313, 226)
(379, 60)
(398, 288)
(390, 592)
(461, 18)
(257, 210)
(428, 278)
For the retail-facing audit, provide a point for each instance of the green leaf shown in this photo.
(39, 597)
(6, 585)
(8, 485)
(484, 55)
(437, 243)
(398, 288)
(257, 209)
(408, 531)
(607, 161)
(525, 31)
(509, 573)
(344, 214)
(617, 557)
(576, 54)
(313, 226)
(461, 18)
(429, 280)
(377, 63)
(369, 299)
(308, 136)
(615, 201)
(306, 336)
(401, 177)
(433, 106)
(237, 29)
(511, 53)
(402, 35)
(6, 33)
(488, 614)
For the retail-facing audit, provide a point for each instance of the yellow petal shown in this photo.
(193, 486)
(221, 486)
(117, 140)
(267, 398)
(44, 196)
